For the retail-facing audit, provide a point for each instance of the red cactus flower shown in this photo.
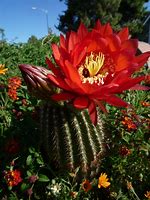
(12, 177)
(95, 66)
(92, 67)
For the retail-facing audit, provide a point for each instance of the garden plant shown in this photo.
(75, 117)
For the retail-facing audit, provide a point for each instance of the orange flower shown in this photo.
(92, 67)
(86, 185)
(127, 121)
(3, 69)
(12, 177)
(13, 84)
(12, 94)
(147, 195)
(145, 104)
(103, 181)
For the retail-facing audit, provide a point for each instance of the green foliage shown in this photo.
(118, 12)
(33, 52)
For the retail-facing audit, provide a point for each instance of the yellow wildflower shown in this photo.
(2, 69)
(103, 181)
(147, 195)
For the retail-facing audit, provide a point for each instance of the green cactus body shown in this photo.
(70, 140)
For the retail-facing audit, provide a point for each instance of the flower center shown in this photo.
(95, 68)
(94, 63)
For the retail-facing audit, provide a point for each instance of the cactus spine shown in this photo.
(70, 140)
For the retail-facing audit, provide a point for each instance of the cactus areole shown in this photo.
(91, 68)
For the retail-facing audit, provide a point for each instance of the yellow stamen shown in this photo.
(94, 63)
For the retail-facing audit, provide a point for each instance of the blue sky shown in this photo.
(20, 21)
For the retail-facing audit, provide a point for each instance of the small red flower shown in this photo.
(92, 67)
(129, 124)
(33, 178)
(12, 177)
(124, 151)
(86, 185)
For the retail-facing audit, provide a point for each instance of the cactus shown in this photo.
(90, 68)
(70, 140)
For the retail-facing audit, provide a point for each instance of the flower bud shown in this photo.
(37, 82)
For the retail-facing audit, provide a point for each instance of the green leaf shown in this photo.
(43, 178)
(29, 160)
(40, 161)
(24, 186)
(29, 173)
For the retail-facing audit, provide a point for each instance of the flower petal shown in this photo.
(81, 102)
(58, 82)
(106, 30)
(56, 52)
(73, 40)
(72, 73)
(106, 184)
(55, 70)
(124, 61)
(116, 101)
(114, 43)
(129, 83)
(82, 31)
(78, 56)
(62, 42)
(62, 96)
(93, 112)
(124, 34)
(140, 87)
(141, 59)
(101, 106)
(130, 45)
(98, 25)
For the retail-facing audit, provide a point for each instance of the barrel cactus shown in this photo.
(90, 69)
(71, 141)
